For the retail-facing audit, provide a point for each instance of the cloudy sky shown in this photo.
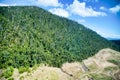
(102, 16)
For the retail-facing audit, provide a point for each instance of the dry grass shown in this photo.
(42, 73)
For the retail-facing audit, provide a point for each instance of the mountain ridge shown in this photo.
(30, 35)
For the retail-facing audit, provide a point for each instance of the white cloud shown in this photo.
(102, 8)
(91, 0)
(1, 4)
(79, 8)
(59, 12)
(115, 9)
(46, 3)
(80, 20)
(108, 35)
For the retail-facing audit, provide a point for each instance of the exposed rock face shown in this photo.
(72, 69)
(98, 64)
(84, 67)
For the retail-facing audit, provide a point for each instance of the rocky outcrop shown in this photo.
(98, 64)
(84, 68)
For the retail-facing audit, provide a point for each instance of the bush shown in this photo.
(23, 69)
(8, 72)
(11, 79)
(21, 77)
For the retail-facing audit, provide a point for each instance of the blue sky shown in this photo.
(102, 16)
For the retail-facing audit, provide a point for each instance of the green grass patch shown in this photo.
(93, 67)
(111, 68)
(116, 62)
(101, 77)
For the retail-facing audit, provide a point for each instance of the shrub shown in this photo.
(21, 77)
(23, 69)
(8, 72)
(11, 79)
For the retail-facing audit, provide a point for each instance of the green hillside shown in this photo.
(117, 42)
(30, 35)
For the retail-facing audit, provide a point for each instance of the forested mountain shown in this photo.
(30, 35)
(116, 42)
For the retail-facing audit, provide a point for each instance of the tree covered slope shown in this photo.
(30, 35)
(117, 42)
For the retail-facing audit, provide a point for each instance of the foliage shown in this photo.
(8, 72)
(116, 42)
(21, 77)
(31, 35)
(11, 79)
(23, 69)
(111, 68)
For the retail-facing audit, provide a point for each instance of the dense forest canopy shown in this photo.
(30, 35)
(117, 42)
